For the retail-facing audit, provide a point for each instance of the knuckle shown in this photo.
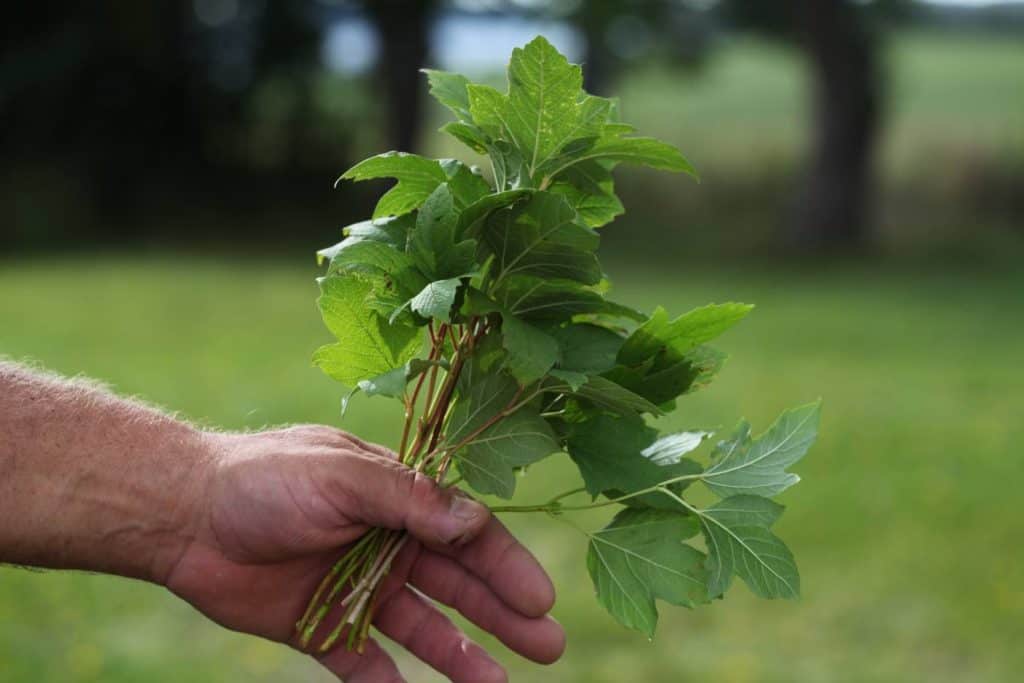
(424, 491)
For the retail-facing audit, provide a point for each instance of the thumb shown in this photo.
(389, 494)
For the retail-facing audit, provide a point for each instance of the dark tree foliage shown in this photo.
(123, 110)
(841, 40)
(404, 28)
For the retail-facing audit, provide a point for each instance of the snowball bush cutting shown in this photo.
(480, 304)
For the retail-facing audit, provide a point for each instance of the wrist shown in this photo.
(183, 513)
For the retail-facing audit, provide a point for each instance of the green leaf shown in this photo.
(739, 543)
(510, 170)
(368, 255)
(465, 185)
(661, 379)
(433, 243)
(572, 380)
(393, 383)
(758, 467)
(489, 459)
(391, 231)
(744, 510)
(609, 452)
(641, 556)
(679, 336)
(541, 237)
(531, 352)
(587, 348)
(606, 394)
(467, 134)
(472, 217)
(534, 298)
(436, 299)
(543, 101)
(643, 151)
(488, 107)
(417, 177)
(367, 346)
(450, 90)
(590, 189)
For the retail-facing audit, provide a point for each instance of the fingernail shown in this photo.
(466, 509)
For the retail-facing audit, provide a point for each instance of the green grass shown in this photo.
(906, 526)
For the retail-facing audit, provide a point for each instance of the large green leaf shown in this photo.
(543, 101)
(535, 298)
(610, 454)
(662, 378)
(367, 345)
(417, 177)
(744, 510)
(587, 348)
(606, 394)
(739, 542)
(680, 336)
(391, 231)
(541, 237)
(758, 466)
(434, 243)
(472, 217)
(531, 352)
(490, 455)
(613, 148)
(642, 556)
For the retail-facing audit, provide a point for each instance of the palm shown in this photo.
(273, 529)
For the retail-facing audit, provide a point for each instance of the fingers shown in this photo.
(383, 492)
(507, 568)
(374, 665)
(540, 639)
(415, 624)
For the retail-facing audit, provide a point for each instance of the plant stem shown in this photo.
(551, 507)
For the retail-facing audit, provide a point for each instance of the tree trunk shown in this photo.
(404, 30)
(833, 209)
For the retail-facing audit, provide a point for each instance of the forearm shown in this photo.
(91, 481)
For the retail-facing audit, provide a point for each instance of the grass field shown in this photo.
(906, 525)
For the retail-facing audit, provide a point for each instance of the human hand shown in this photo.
(278, 507)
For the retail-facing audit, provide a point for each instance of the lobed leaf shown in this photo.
(417, 177)
(367, 346)
(758, 467)
(680, 336)
(739, 542)
(641, 556)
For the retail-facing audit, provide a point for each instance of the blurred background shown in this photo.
(165, 176)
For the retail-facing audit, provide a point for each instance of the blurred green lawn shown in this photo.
(907, 525)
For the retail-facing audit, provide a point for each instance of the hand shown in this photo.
(275, 511)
